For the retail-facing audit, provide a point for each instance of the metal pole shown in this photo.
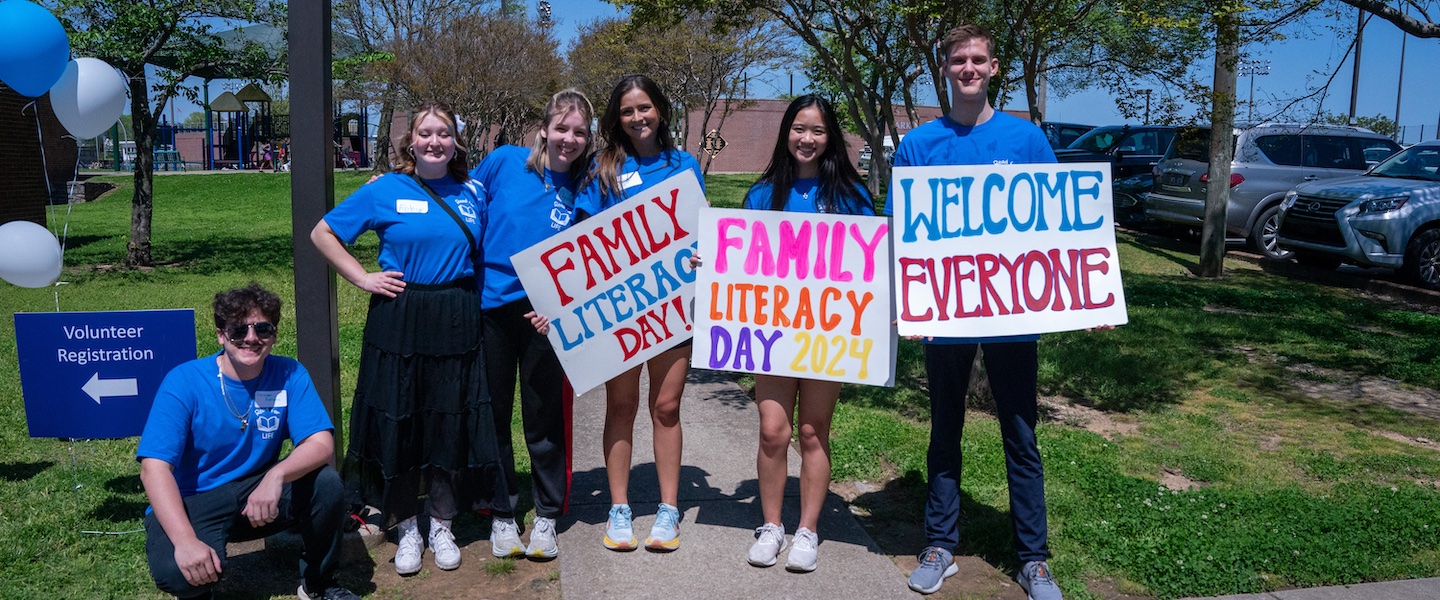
(312, 194)
(1250, 116)
(1355, 79)
(1400, 81)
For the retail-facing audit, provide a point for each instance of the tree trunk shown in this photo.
(137, 251)
(1222, 126)
(380, 163)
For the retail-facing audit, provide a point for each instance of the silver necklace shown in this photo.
(242, 416)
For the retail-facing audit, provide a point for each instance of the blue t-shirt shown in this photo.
(1001, 140)
(524, 209)
(637, 174)
(417, 237)
(191, 427)
(803, 196)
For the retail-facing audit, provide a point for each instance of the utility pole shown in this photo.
(1355, 79)
(1400, 81)
(1146, 93)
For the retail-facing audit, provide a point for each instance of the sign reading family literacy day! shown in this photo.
(992, 250)
(795, 294)
(616, 286)
(94, 374)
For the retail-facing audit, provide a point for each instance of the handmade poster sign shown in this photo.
(616, 287)
(995, 250)
(795, 294)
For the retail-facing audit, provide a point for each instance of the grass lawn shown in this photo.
(1243, 388)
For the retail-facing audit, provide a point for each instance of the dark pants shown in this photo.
(1011, 368)
(312, 505)
(512, 346)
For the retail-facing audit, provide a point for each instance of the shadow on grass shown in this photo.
(125, 484)
(23, 471)
(227, 254)
(115, 509)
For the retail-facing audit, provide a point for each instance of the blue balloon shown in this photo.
(34, 49)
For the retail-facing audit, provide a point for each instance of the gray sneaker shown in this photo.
(804, 550)
(1038, 582)
(769, 541)
(505, 538)
(936, 564)
(542, 540)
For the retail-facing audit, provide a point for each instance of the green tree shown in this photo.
(1380, 124)
(194, 119)
(130, 35)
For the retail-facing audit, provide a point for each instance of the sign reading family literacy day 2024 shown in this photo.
(995, 250)
(616, 286)
(795, 294)
(95, 374)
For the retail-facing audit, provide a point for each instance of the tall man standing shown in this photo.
(974, 133)
(209, 458)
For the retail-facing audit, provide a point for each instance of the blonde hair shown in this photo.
(563, 103)
(458, 167)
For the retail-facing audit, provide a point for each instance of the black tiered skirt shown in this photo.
(421, 404)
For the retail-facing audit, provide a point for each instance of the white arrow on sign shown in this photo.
(99, 388)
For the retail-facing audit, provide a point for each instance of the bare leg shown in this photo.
(775, 396)
(817, 406)
(667, 383)
(622, 399)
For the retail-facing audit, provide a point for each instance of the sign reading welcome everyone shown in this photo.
(995, 250)
(616, 286)
(795, 294)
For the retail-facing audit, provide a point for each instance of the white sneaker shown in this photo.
(442, 543)
(411, 548)
(769, 541)
(803, 551)
(505, 538)
(542, 540)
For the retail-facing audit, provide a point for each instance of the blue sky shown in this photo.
(1298, 64)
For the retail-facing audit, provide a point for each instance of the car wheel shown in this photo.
(1318, 261)
(1265, 235)
(1422, 259)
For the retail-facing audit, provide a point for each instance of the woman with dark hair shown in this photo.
(640, 153)
(809, 172)
(421, 422)
(532, 196)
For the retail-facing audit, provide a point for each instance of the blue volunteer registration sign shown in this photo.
(94, 374)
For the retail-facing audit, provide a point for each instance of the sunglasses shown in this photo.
(236, 332)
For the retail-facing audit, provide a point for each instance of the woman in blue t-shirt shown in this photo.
(640, 153)
(421, 422)
(809, 172)
(531, 196)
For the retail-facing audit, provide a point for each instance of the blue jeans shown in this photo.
(1011, 368)
(312, 505)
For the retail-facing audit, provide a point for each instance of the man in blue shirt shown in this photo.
(973, 133)
(209, 458)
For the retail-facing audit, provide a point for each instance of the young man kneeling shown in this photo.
(209, 458)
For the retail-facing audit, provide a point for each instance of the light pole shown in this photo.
(1253, 68)
(1146, 92)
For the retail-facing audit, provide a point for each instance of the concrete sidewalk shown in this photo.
(720, 506)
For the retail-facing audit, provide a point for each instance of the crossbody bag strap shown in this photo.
(474, 247)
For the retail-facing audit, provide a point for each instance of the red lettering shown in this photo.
(589, 256)
(905, 280)
(1069, 279)
(1031, 259)
(556, 270)
(1086, 268)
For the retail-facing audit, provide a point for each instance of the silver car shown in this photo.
(1270, 160)
(1388, 217)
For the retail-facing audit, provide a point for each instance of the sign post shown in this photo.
(95, 374)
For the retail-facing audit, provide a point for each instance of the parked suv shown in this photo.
(1062, 135)
(1270, 160)
(1388, 217)
(1130, 149)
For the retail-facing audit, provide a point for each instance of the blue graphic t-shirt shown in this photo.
(524, 208)
(637, 174)
(804, 193)
(1001, 140)
(192, 427)
(417, 237)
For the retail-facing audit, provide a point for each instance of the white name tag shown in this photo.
(630, 180)
(412, 206)
(271, 399)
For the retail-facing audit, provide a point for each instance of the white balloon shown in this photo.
(89, 97)
(29, 255)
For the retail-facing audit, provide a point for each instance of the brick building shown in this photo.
(34, 161)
